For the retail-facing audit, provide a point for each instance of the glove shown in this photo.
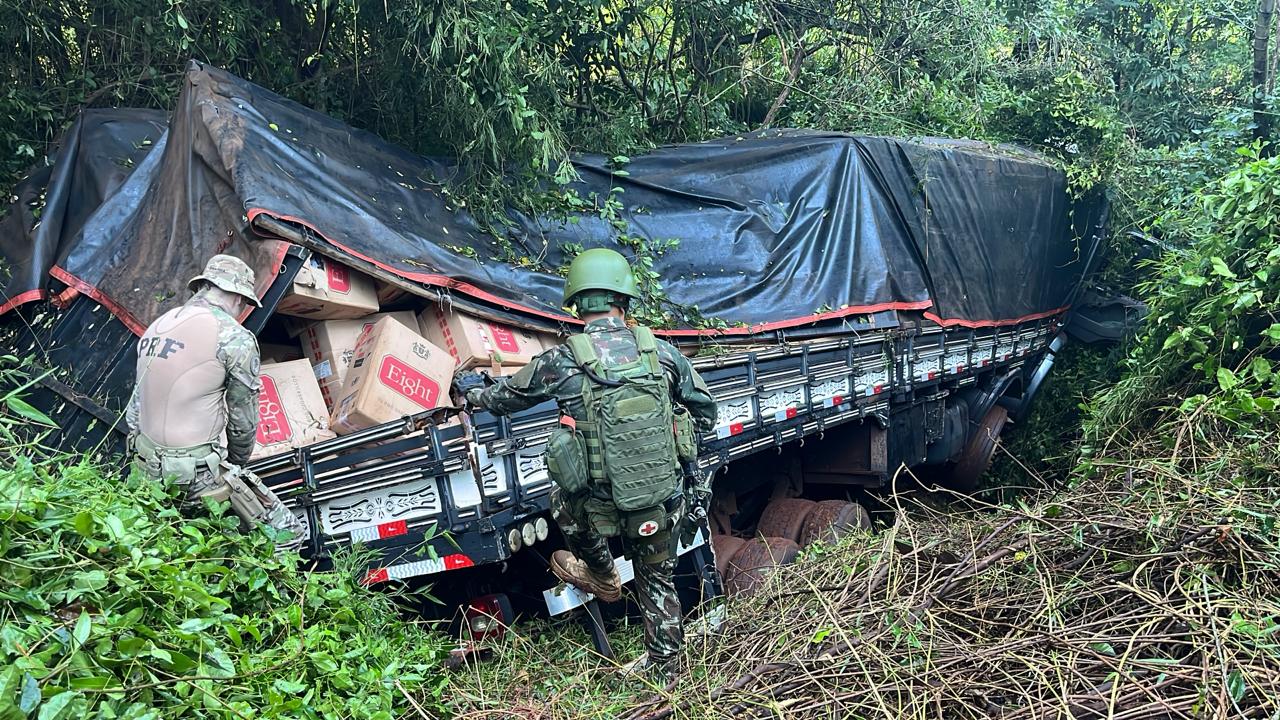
(469, 380)
(696, 500)
(467, 385)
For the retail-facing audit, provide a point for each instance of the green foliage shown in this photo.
(1210, 344)
(112, 605)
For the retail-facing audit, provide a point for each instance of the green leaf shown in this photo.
(30, 694)
(182, 21)
(1103, 647)
(1260, 368)
(115, 527)
(1220, 268)
(821, 635)
(83, 523)
(23, 408)
(195, 625)
(83, 626)
(56, 707)
(288, 687)
(94, 682)
(219, 664)
(1227, 379)
(1236, 685)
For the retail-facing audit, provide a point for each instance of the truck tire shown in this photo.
(785, 518)
(725, 547)
(755, 561)
(832, 520)
(979, 451)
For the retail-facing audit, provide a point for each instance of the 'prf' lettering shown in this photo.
(167, 346)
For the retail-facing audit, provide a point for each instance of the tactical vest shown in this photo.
(630, 446)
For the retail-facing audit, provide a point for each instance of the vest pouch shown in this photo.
(686, 437)
(602, 516)
(648, 524)
(567, 460)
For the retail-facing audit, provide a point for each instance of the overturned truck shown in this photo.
(885, 303)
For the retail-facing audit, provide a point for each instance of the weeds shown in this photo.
(113, 605)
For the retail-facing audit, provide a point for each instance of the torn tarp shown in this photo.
(770, 230)
(50, 205)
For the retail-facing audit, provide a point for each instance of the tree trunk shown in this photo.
(1261, 42)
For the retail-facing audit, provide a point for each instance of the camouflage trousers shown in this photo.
(202, 472)
(653, 558)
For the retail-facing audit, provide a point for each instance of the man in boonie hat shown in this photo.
(193, 416)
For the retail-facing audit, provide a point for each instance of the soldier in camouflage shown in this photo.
(600, 285)
(193, 415)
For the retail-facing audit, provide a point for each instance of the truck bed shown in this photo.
(410, 491)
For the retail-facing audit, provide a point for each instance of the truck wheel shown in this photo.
(755, 561)
(832, 520)
(725, 547)
(977, 454)
(785, 518)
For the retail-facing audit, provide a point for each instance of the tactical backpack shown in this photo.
(626, 440)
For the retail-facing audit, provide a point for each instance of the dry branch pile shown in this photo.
(1148, 591)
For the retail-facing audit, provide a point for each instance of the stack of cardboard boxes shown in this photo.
(358, 367)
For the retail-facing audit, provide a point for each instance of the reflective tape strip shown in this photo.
(833, 401)
(414, 569)
(784, 414)
(380, 532)
(725, 431)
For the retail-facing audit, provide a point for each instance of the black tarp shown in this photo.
(772, 229)
(51, 204)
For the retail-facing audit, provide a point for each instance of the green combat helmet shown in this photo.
(230, 274)
(603, 270)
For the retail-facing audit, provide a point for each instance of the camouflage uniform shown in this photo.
(193, 414)
(590, 517)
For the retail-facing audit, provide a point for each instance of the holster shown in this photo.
(244, 501)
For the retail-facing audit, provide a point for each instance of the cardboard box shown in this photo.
(328, 290)
(474, 342)
(277, 353)
(388, 294)
(291, 412)
(330, 345)
(395, 372)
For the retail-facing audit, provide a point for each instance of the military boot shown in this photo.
(580, 575)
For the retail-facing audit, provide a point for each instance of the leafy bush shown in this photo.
(1211, 342)
(113, 605)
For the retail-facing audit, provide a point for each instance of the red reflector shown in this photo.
(837, 400)
(456, 561)
(375, 576)
(487, 616)
(791, 412)
(932, 374)
(392, 529)
(735, 428)
(959, 368)
(878, 389)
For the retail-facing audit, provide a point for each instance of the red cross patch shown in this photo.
(648, 527)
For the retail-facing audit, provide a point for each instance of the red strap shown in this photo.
(568, 422)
